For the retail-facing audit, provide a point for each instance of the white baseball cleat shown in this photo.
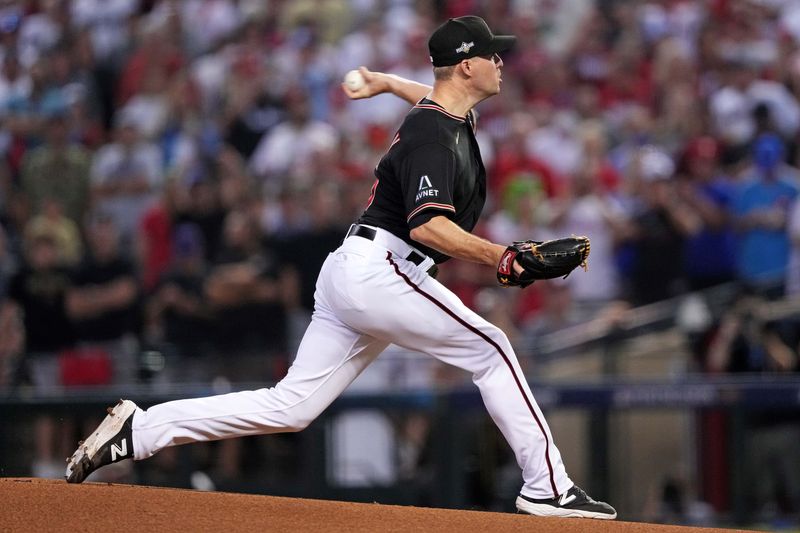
(111, 442)
(574, 503)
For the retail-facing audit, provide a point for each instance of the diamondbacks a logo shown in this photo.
(464, 48)
(425, 189)
(119, 451)
(424, 182)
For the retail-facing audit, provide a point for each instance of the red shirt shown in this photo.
(156, 238)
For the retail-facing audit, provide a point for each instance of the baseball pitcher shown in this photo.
(379, 287)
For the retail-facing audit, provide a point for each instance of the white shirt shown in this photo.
(113, 163)
(107, 20)
(288, 148)
(586, 217)
(730, 115)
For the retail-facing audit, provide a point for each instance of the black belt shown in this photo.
(370, 233)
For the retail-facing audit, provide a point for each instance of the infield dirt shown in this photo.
(52, 505)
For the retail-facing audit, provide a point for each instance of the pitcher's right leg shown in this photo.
(329, 358)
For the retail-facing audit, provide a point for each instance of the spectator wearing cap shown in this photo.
(710, 254)
(760, 210)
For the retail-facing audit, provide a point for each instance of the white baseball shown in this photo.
(354, 80)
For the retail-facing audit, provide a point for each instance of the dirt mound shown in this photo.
(50, 505)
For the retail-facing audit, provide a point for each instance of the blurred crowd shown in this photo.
(173, 173)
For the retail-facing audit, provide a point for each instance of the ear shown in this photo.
(466, 67)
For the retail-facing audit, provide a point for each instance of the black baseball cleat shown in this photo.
(574, 503)
(111, 442)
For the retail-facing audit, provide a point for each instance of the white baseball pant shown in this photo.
(368, 296)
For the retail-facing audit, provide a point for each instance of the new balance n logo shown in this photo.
(566, 498)
(119, 451)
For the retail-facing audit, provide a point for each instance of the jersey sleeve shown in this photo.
(427, 176)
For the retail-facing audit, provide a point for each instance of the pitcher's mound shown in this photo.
(52, 505)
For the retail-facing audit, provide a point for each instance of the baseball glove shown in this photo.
(542, 260)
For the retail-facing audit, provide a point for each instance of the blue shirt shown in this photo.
(762, 253)
(712, 252)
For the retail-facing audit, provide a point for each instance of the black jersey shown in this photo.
(433, 167)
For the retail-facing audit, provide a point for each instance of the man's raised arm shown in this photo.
(379, 83)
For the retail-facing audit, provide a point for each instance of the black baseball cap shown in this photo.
(465, 37)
